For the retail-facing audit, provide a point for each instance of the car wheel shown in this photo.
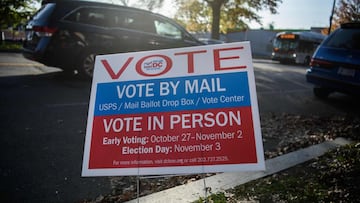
(321, 93)
(86, 66)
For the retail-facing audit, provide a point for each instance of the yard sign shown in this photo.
(174, 111)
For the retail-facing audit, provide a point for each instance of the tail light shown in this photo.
(320, 63)
(43, 31)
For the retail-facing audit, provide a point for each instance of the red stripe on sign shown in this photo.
(185, 138)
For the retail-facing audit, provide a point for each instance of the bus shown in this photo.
(295, 47)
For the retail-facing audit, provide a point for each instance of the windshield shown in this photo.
(344, 38)
(282, 44)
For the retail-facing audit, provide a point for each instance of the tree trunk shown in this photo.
(216, 8)
(215, 27)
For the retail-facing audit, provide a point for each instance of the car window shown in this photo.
(134, 20)
(91, 16)
(122, 18)
(345, 38)
(114, 18)
(167, 29)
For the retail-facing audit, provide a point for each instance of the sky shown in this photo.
(292, 14)
(298, 14)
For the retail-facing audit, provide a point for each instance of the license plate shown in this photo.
(346, 72)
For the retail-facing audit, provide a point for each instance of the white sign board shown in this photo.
(174, 111)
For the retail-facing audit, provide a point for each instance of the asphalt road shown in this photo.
(43, 120)
(283, 89)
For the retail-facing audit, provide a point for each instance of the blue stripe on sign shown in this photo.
(173, 94)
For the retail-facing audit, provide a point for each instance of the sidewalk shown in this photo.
(11, 64)
(218, 183)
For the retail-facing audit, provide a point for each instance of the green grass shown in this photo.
(330, 178)
(10, 46)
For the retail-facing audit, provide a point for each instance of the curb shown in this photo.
(218, 183)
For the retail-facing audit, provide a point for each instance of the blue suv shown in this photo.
(335, 66)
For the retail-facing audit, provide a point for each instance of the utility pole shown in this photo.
(331, 17)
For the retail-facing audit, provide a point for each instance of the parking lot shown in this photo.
(44, 119)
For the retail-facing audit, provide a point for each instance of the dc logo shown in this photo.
(153, 65)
